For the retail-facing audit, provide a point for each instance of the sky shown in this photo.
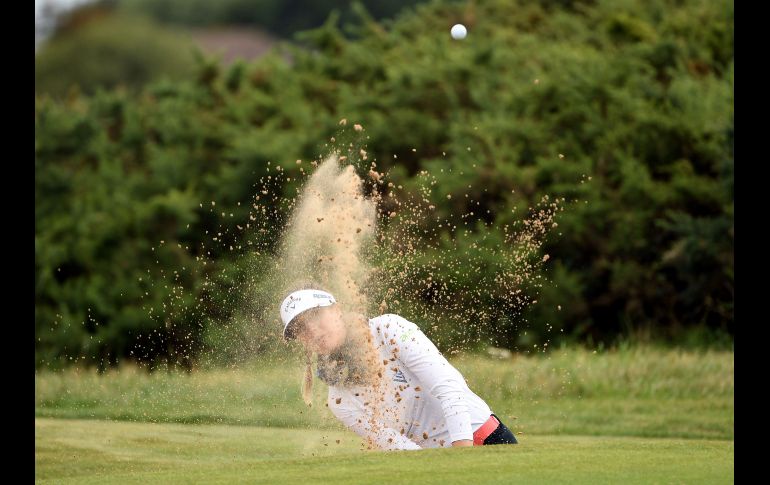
(45, 15)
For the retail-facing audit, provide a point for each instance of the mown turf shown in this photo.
(641, 415)
(94, 451)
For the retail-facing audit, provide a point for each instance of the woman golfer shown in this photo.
(387, 381)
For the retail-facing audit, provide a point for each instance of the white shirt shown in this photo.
(422, 401)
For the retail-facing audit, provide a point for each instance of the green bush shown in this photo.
(278, 16)
(624, 110)
(111, 51)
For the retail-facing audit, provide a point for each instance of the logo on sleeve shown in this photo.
(399, 377)
(407, 334)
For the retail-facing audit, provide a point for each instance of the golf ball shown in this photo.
(459, 31)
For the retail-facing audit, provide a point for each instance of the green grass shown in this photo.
(83, 451)
(642, 415)
(645, 392)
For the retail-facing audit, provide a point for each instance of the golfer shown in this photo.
(387, 381)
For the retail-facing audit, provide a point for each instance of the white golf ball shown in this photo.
(459, 31)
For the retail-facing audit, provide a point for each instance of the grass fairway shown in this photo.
(631, 416)
(91, 451)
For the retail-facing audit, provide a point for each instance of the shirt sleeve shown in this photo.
(359, 418)
(416, 352)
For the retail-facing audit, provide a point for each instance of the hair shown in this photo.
(347, 365)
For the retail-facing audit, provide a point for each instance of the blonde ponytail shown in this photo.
(307, 384)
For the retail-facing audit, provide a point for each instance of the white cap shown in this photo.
(302, 300)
